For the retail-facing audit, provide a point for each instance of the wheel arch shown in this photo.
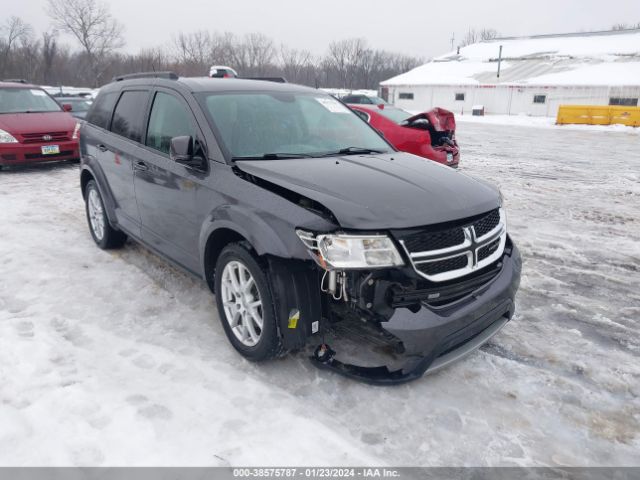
(217, 240)
(86, 175)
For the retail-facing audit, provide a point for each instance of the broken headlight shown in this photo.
(340, 251)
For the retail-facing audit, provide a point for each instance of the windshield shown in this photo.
(277, 125)
(78, 104)
(394, 114)
(21, 100)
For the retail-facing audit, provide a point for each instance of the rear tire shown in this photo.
(105, 236)
(245, 304)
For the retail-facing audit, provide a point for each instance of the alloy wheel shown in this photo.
(96, 214)
(242, 303)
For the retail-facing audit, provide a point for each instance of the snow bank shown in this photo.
(542, 122)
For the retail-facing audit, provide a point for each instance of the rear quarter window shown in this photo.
(128, 117)
(100, 113)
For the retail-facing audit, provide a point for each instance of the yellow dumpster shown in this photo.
(626, 116)
(598, 115)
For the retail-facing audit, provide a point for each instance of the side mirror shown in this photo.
(181, 151)
(67, 107)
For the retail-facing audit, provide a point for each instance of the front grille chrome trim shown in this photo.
(470, 247)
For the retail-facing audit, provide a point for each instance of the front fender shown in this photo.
(276, 238)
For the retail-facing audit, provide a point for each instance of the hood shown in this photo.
(441, 119)
(366, 192)
(20, 123)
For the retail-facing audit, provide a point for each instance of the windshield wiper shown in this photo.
(354, 151)
(274, 156)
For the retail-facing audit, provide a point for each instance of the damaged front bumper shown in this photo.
(433, 336)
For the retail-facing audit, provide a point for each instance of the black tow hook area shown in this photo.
(324, 358)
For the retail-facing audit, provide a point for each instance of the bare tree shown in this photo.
(13, 30)
(49, 51)
(93, 26)
(344, 56)
(470, 37)
(223, 48)
(294, 62)
(624, 26)
(193, 48)
(348, 63)
(482, 35)
(488, 34)
(255, 53)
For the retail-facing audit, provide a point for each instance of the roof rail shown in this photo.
(131, 76)
(14, 80)
(267, 79)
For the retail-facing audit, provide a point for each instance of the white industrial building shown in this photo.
(537, 74)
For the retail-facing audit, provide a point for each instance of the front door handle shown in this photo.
(140, 165)
(102, 147)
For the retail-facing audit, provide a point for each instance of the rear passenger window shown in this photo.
(100, 113)
(128, 117)
(169, 118)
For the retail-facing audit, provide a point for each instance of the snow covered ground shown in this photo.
(115, 358)
(541, 122)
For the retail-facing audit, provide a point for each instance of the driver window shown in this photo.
(169, 118)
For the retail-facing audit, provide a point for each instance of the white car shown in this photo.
(221, 71)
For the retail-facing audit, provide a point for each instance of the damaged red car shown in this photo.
(429, 134)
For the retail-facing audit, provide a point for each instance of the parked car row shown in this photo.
(302, 218)
(430, 134)
(77, 105)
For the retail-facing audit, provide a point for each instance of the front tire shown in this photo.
(105, 236)
(245, 304)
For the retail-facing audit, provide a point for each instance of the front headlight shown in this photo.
(76, 131)
(343, 251)
(6, 137)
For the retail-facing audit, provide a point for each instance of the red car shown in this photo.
(430, 134)
(34, 127)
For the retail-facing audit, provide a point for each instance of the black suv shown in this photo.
(304, 221)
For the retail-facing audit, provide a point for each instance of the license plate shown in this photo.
(50, 149)
(449, 157)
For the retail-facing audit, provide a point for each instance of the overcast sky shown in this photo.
(417, 27)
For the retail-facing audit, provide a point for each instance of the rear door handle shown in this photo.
(140, 165)
(102, 147)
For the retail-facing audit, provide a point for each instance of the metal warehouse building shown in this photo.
(526, 75)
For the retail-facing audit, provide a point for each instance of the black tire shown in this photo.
(111, 238)
(269, 344)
